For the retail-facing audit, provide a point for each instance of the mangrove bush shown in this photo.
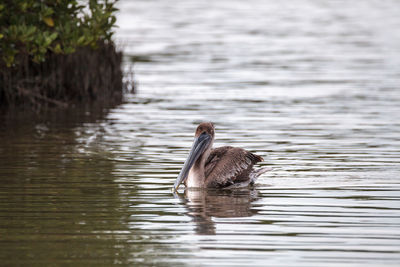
(55, 52)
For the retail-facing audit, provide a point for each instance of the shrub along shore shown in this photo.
(58, 54)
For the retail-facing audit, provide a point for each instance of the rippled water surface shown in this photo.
(311, 86)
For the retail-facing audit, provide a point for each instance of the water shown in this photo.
(312, 86)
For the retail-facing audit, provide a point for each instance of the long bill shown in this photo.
(199, 146)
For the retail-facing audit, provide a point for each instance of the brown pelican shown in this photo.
(220, 167)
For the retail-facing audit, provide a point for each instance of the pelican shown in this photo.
(222, 167)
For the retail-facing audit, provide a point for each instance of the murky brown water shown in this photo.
(312, 86)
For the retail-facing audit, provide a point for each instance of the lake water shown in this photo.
(311, 86)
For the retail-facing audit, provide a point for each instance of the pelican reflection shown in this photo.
(205, 204)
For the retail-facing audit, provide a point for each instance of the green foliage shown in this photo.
(34, 28)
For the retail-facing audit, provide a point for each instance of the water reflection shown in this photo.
(205, 204)
(59, 200)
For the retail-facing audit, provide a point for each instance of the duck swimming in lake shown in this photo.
(222, 167)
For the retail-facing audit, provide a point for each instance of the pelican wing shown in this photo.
(227, 166)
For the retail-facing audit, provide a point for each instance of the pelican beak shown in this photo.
(200, 144)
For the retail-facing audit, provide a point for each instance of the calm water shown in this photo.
(312, 86)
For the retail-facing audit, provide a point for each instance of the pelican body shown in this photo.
(220, 167)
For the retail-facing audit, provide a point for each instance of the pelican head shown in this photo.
(202, 144)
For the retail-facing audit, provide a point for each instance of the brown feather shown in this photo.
(227, 166)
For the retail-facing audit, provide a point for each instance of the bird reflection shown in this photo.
(204, 204)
